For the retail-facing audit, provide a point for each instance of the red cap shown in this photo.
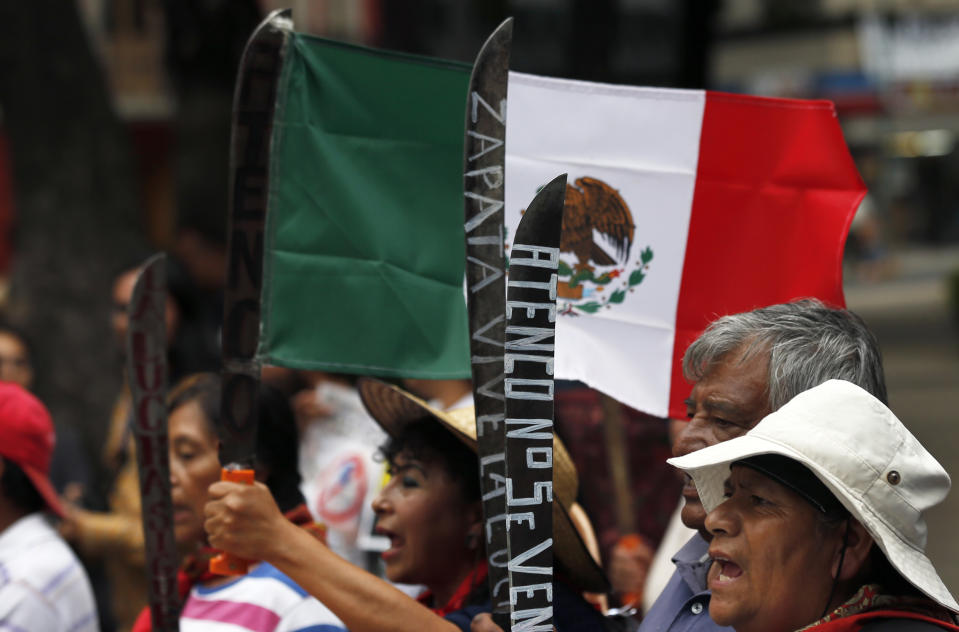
(26, 438)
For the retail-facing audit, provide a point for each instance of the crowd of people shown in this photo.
(803, 492)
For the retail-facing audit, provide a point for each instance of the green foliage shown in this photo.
(618, 296)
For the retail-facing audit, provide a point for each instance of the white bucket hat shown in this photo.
(858, 448)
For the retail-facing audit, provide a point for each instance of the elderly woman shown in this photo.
(264, 599)
(431, 512)
(816, 518)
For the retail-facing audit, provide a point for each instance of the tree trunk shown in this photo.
(78, 219)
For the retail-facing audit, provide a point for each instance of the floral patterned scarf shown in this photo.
(870, 597)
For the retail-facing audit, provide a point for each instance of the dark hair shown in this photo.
(808, 343)
(277, 439)
(427, 440)
(801, 480)
(878, 569)
(208, 226)
(19, 334)
(882, 572)
(131, 261)
(18, 489)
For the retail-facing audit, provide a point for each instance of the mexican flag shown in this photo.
(681, 206)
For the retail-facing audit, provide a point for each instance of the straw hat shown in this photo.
(858, 448)
(392, 408)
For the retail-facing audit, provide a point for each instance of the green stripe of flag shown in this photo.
(363, 270)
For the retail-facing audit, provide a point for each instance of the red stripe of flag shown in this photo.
(776, 190)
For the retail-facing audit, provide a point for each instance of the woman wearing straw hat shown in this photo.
(816, 518)
(431, 512)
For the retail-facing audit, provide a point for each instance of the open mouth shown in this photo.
(724, 570)
(395, 543)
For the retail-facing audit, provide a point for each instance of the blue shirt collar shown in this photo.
(692, 563)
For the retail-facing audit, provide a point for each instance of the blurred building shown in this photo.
(128, 37)
(169, 65)
(891, 67)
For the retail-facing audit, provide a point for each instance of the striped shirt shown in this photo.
(43, 587)
(264, 600)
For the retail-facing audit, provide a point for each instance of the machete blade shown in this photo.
(484, 187)
(528, 385)
(253, 106)
(147, 375)
(254, 102)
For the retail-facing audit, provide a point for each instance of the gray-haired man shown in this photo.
(743, 367)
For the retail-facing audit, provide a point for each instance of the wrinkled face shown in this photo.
(14, 361)
(422, 512)
(726, 403)
(194, 466)
(772, 559)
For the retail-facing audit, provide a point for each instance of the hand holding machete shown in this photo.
(253, 106)
(245, 520)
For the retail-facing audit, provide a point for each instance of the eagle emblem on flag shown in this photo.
(596, 247)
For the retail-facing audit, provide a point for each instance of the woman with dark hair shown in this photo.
(264, 599)
(430, 510)
(816, 520)
(16, 356)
